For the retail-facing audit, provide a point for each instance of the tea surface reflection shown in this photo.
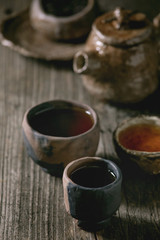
(62, 122)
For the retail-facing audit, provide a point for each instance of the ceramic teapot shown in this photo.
(120, 58)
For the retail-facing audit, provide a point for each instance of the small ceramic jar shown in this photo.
(63, 28)
(58, 132)
(92, 191)
(120, 59)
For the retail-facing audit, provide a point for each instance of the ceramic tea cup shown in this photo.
(59, 131)
(138, 140)
(62, 20)
(92, 191)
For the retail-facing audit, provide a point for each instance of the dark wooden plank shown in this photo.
(31, 201)
(139, 213)
(32, 204)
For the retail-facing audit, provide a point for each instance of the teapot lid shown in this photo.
(123, 27)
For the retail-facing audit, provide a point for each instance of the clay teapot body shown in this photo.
(120, 58)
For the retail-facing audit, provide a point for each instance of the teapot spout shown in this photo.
(86, 62)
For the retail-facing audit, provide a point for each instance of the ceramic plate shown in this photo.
(17, 33)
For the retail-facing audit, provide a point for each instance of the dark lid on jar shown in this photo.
(123, 27)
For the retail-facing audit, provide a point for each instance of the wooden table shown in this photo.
(31, 201)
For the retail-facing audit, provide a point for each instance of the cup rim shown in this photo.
(81, 161)
(74, 103)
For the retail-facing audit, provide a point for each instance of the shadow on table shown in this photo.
(150, 105)
(139, 188)
(130, 228)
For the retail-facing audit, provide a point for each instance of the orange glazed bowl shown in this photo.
(138, 140)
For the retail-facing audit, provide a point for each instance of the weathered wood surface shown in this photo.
(31, 201)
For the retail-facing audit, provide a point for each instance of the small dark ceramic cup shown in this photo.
(92, 191)
(59, 131)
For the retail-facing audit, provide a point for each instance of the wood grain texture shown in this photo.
(31, 201)
(138, 216)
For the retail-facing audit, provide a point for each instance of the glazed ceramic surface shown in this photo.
(148, 160)
(62, 27)
(120, 59)
(92, 205)
(51, 152)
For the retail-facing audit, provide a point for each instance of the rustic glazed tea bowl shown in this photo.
(58, 132)
(92, 191)
(62, 20)
(138, 140)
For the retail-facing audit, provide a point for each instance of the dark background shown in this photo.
(149, 7)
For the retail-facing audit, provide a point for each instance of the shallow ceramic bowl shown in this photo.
(54, 152)
(62, 28)
(41, 47)
(148, 161)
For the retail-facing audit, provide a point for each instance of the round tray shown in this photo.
(17, 33)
